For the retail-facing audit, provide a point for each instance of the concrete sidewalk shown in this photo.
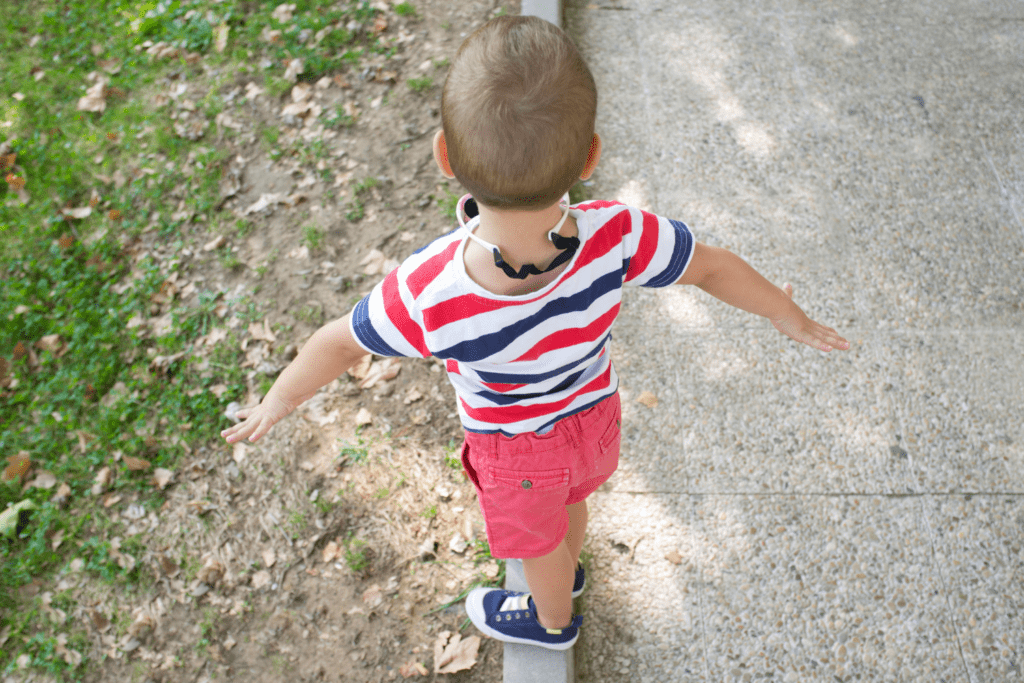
(783, 514)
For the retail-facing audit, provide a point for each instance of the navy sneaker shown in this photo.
(511, 617)
(580, 582)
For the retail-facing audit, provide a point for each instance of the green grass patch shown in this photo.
(420, 85)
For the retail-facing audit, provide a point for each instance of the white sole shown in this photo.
(475, 611)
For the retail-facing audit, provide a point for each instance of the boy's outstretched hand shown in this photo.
(798, 326)
(259, 419)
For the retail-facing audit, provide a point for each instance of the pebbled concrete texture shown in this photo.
(783, 514)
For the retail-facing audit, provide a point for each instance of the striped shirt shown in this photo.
(521, 363)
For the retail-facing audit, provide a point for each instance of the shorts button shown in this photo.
(527, 483)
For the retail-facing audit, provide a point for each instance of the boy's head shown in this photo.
(518, 113)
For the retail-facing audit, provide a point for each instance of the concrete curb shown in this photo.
(550, 10)
(527, 663)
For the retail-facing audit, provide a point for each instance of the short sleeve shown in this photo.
(383, 322)
(658, 249)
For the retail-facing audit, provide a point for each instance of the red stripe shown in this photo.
(399, 316)
(573, 335)
(470, 305)
(502, 387)
(430, 269)
(646, 248)
(452, 366)
(510, 414)
(597, 204)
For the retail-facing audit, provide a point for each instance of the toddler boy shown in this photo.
(519, 303)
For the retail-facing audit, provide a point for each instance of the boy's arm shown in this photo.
(329, 352)
(726, 276)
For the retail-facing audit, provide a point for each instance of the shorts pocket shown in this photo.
(466, 465)
(530, 480)
(612, 437)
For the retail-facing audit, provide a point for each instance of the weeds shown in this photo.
(312, 236)
(79, 299)
(420, 85)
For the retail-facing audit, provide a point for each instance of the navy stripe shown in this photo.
(680, 255)
(504, 378)
(487, 345)
(508, 399)
(363, 329)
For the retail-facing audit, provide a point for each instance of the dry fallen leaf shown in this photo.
(648, 399)
(136, 464)
(332, 551)
(262, 333)
(95, 98)
(168, 566)
(43, 480)
(455, 654)
(380, 371)
(211, 573)
(260, 579)
(362, 366)
(220, 38)
(17, 466)
(283, 13)
(364, 417)
(674, 557)
(269, 557)
(413, 668)
(373, 596)
(295, 67)
(79, 213)
(161, 477)
(102, 481)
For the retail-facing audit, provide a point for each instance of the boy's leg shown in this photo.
(577, 528)
(550, 580)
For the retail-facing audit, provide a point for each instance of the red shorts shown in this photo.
(525, 482)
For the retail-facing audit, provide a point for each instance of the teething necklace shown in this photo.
(568, 245)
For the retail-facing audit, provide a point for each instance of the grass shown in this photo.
(448, 204)
(420, 85)
(77, 379)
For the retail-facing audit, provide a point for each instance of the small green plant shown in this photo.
(271, 134)
(441, 63)
(338, 118)
(229, 259)
(367, 183)
(355, 556)
(244, 227)
(310, 313)
(453, 455)
(381, 493)
(430, 512)
(323, 505)
(297, 521)
(420, 85)
(275, 87)
(312, 236)
(405, 9)
(354, 454)
(578, 193)
(448, 204)
(356, 210)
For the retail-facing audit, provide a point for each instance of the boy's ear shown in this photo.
(593, 156)
(441, 155)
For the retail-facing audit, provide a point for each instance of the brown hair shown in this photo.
(518, 113)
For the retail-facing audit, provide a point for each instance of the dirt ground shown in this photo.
(326, 551)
